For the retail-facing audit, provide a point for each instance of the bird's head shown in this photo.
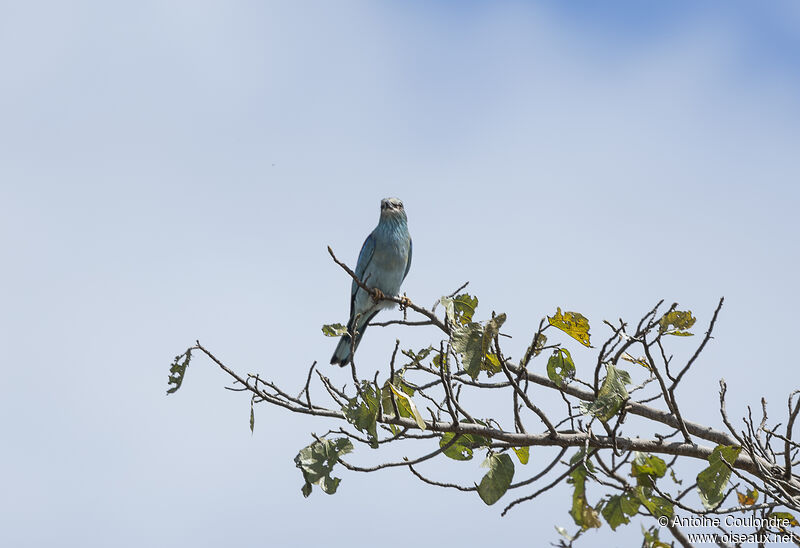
(392, 208)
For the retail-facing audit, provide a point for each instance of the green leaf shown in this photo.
(416, 358)
(619, 508)
(334, 330)
(586, 465)
(408, 403)
(460, 309)
(712, 481)
(648, 465)
(658, 506)
(523, 454)
(582, 513)
(496, 481)
(651, 539)
(329, 485)
(362, 412)
(316, 462)
(647, 469)
(573, 324)
(472, 341)
(560, 367)
(177, 370)
(676, 323)
(467, 341)
(462, 448)
(611, 396)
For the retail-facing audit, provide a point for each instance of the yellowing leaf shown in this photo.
(573, 324)
(582, 513)
(790, 519)
(334, 330)
(523, 454)
(412, 407)
(651, 539)
(641, 361)
(492, 364)
(460, 309)
(676, 323)
(749, 498)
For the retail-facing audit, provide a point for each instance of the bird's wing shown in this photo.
(364, 258)
(408, 264)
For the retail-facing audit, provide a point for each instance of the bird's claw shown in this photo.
(377, 294)
(404, 301)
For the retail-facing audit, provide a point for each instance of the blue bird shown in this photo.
(382, 264)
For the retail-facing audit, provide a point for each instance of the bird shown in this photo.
(383, 264)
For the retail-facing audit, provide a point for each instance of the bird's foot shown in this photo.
(404, 302)
(377, 295)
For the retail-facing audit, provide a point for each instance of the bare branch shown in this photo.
(766, 461)
(702, 345)
(789, 427)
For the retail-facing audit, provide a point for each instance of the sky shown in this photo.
(174, 171)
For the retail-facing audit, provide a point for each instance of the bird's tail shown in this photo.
(342, 354)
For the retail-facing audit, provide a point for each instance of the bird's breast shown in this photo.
(392, 256)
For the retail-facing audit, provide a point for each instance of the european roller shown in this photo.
(382, 264)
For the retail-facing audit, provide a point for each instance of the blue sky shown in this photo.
(174, 171)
